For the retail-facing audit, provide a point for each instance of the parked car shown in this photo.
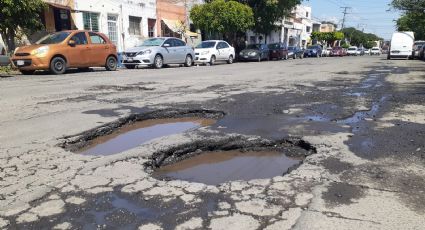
(366, 51)
(255, 52)
(361, 51)
(375, 51)
(214, 50)
(326, 52)
(157, 52)
(60, 51)
(338, 51)
(4, 59)
(401, 45)
(416, 52)
(295, 52)
(278, 51)
(352, 51)
(313, 51)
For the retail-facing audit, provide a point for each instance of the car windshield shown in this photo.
(352, 48)
(53, 38)
(291, 47)
(274, 46)
(312, 47)
(206, 45)
(254, 46)
(375, 49)
(153, 42)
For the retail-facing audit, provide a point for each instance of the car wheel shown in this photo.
(130, 66)
(212, 60)
(27, 72)
(158, 62)
(230, 60)
(111, 63)
(294, 56)
(58, 65)
(189, 61)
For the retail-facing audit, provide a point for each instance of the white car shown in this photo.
(375, 51)
(352, 51)
(326, 52)
(214, 50)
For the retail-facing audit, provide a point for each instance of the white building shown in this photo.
(126, 22)
(292, 31)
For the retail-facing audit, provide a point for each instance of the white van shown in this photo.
(401, 45)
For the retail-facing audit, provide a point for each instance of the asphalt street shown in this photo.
(356, 125)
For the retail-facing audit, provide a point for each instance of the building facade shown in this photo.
(292, 31)
(126, 23)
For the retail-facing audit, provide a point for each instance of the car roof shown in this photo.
(214, 41)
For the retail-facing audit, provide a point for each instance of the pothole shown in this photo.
(214, 168)
(134, 130)
(230, 159)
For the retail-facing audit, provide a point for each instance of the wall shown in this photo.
(146, 9)
(168, 9)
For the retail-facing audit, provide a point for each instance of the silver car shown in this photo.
(158, 52)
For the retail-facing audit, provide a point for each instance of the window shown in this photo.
(96, 39)
(223, 45)
(308, 28)
(79, 38)
(113, 29)
(91, 21)
(151, 27)
(169, 42)
(134, 26)
(178, 42)
(306, 14)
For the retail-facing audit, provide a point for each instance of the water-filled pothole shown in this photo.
(222, 166)
(136, 129)
(132, 135)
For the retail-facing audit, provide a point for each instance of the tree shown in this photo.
(412, 18)
(359, 38)
(268, 12)
(19, 16)
(224, 17)
(328, 37)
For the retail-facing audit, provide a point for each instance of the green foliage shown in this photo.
(268, 12)
(19, 15)
(329, 37)
(413, 16)
(345, 46)
(225, 17)
(358, 38)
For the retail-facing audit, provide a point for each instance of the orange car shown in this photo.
(66, 49)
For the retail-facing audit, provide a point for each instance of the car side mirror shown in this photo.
(166, 45)
(71, 43)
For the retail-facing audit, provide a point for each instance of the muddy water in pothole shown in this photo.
(132, 135)
(222, 166)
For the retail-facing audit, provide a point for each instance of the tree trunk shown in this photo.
(9, 40)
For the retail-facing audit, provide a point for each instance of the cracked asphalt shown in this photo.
(365, 117)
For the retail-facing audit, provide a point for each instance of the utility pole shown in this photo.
(345, 13)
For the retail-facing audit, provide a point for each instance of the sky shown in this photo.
(371, 15)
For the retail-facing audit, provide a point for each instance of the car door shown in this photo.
(168, 52)
(180, 50)
(77, 55)
(99, 49)
(224, 50)
(265, 51)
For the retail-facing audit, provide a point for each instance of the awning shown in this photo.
(177, 26)
(59, 6)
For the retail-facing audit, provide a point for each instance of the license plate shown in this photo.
(245, 56)
(20, 62)
(130, 59)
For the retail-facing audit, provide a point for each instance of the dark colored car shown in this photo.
(278, 51)
(295, 52)
(338, 52)
(255, 52)
(417, 49)
(313, 51)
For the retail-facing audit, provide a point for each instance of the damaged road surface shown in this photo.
(243, 146)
